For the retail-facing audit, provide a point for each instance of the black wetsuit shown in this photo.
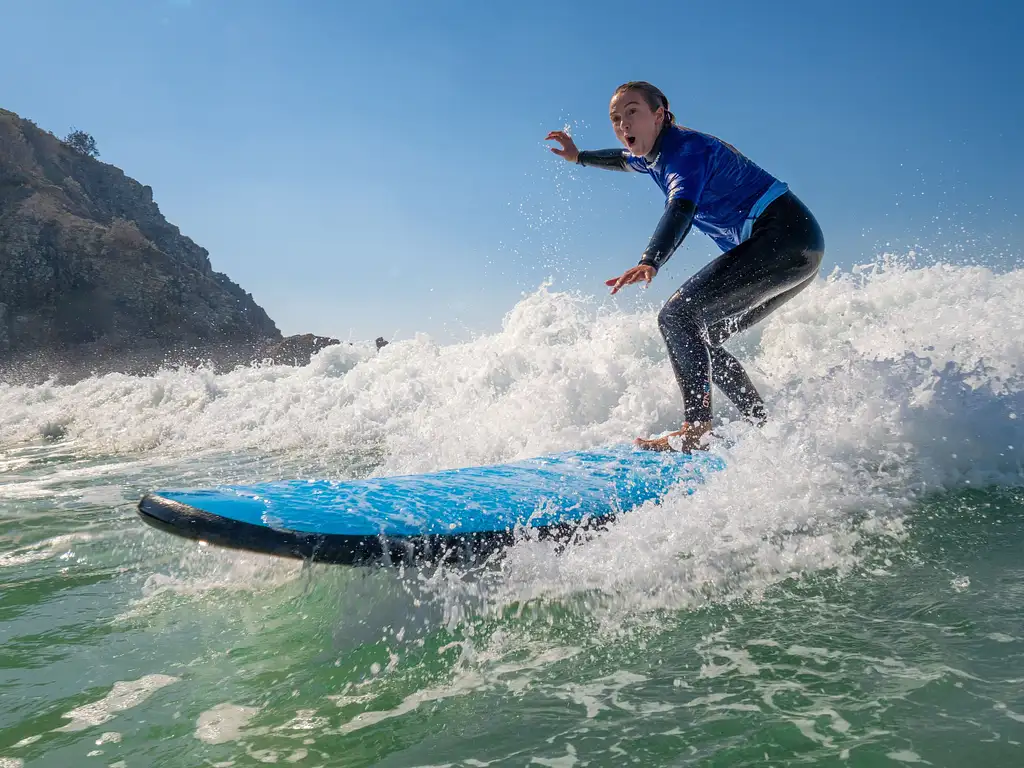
(773, 249)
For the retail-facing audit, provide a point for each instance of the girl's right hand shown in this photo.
(568, 150)
(633, 275)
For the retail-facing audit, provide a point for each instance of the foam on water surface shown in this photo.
(124, 695)
(883, 383)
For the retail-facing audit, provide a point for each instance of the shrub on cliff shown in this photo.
(80, 141)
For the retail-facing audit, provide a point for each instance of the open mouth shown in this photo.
(631, 140)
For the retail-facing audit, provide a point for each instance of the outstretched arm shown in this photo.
(612, 159)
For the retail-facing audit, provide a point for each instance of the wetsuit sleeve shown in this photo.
(668, 236)
(612, 159)
(685, 177)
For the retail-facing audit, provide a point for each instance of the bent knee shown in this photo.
(676, 319)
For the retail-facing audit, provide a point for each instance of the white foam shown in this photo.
(591, 696)
(566, 761)
(463, 684)
(1000, 706)
(124, 695)
(883, 383)
(56, 482)
(1001, 637)
(204, 569)
(304, 720)
(223, 723)
(263, 755)
(44, 550)
(906, 756)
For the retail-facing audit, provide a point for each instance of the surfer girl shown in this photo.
(772, 248)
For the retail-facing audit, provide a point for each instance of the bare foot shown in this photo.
(691, 435)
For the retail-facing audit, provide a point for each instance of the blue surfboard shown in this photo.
(454, 514)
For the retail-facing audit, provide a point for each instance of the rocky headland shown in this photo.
(93, 278)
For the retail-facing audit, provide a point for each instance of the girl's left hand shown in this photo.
(633, 275)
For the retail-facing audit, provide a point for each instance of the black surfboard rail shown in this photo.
(191, 522)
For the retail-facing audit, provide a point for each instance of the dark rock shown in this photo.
(94, 279)
(296, 350)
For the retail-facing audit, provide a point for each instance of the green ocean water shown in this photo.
(849, 591)
(122, 646)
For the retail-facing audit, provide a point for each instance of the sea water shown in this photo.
(849, 591)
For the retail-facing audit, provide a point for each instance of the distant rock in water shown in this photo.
(296, 350)
(381, 343)
(94, 279)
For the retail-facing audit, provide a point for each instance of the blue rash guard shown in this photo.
(707, 183)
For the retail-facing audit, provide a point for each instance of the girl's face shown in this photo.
(633, 121)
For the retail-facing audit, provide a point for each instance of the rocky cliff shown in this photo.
(93, 278)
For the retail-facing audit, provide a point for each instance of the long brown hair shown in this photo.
(652, 95)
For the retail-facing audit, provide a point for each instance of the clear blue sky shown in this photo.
(367, 168)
